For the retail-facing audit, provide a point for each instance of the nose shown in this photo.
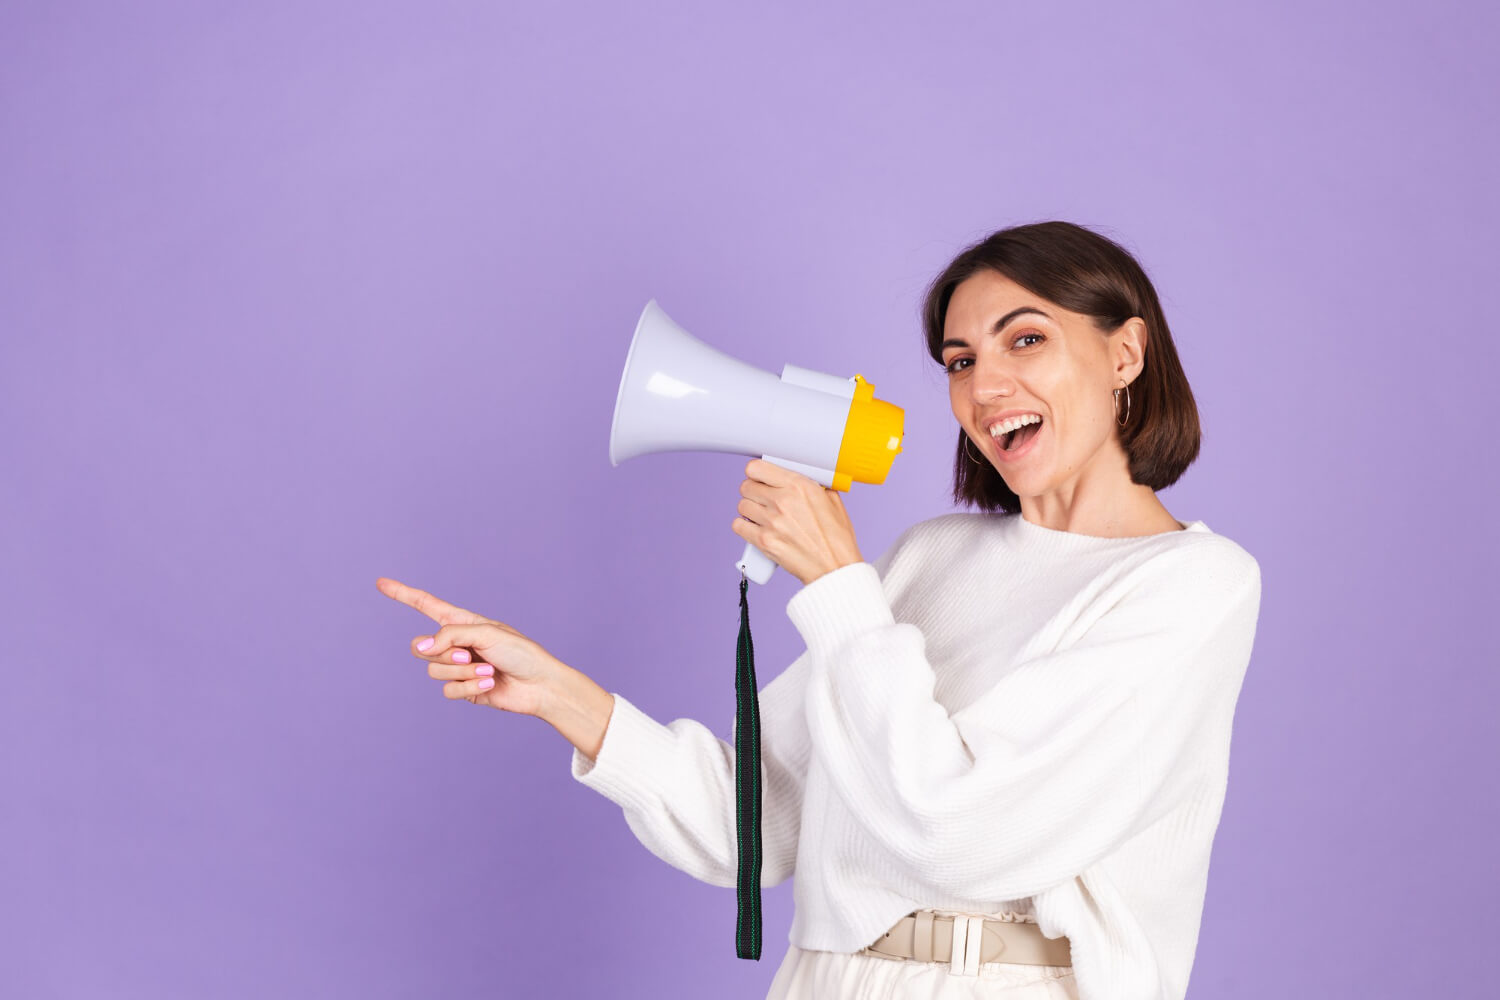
(990, 379)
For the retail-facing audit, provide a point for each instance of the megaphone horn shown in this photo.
(679, 394)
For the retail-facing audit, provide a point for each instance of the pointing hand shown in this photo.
(483, 661)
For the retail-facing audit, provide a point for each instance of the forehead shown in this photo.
(986, 296)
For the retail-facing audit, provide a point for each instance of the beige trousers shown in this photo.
(827, 975)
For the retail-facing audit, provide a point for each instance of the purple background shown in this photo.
(297, 295)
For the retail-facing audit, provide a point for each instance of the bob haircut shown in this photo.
(1086, 273)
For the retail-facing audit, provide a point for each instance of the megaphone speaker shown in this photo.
(679, 394)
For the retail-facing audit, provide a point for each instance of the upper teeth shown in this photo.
(1011, 423)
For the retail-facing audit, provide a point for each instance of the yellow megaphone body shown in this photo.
(678, 394)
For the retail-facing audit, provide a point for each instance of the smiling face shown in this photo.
(1008, 351)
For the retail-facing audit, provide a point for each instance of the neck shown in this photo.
(1101, 500)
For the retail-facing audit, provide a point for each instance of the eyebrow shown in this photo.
(1000, 324)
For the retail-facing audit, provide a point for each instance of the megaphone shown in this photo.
(679, 394)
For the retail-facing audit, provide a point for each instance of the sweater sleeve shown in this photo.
(675, 783)
(1064, 759)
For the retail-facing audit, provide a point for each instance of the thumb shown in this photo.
(449, 637)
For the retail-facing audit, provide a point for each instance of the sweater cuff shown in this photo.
(635, 755)
(838, 606)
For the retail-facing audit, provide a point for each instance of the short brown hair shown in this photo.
(1086, 273)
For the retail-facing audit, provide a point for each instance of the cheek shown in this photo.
(1085, 425)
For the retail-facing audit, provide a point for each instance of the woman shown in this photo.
(998, 768)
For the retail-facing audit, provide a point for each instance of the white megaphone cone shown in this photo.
(679, 394)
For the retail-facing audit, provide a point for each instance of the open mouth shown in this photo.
(1013, 441)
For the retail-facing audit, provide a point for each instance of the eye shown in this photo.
(952, 369)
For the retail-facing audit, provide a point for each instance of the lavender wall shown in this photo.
(297, 295)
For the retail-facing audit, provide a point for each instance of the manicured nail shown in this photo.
(425, 644)
(487, 683)
(483, 669)
(461, 656)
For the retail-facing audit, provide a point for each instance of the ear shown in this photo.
(1128, 352)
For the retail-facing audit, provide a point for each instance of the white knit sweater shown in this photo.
(992, 716)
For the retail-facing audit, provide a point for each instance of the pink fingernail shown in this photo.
(425, 644)
(487, 683)
(461, 656)
(481, 669)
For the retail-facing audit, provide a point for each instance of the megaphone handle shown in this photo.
(755, 564)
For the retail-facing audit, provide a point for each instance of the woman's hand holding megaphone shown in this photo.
(797, 521)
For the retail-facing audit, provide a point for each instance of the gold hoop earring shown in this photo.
(1118, 421)
(970, 453)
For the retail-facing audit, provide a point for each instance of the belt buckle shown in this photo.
(968, 943)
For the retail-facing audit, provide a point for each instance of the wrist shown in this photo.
(578, 708)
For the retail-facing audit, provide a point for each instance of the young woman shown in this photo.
(998, 768)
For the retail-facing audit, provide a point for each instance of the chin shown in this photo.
(1023, 490)
(1026, 484)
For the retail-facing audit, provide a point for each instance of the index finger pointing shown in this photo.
(435, 608)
